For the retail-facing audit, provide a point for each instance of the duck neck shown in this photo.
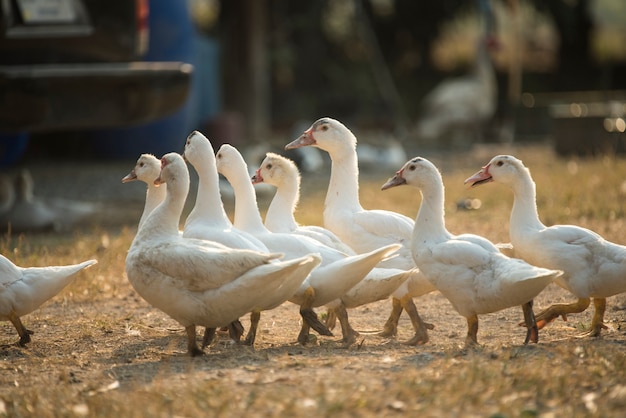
(343, 187)
(524, 214)
(430, 222)
(154, 196)
(247, 216)
(280, 213)
(164, 219)
(208, 204)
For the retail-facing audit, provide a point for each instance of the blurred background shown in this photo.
(441, 75)
(86, 86)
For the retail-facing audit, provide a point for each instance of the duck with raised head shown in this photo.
(200, 282)
(362, 229)
(467, 269)
(593, 267)
(208, 219)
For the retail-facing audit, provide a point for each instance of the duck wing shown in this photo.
(199, 266)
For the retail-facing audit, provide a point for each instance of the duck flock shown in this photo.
(215, 271)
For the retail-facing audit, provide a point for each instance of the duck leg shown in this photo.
(235, 330)
(421, 328)
(349, 334)
(255, 317)
(472, 332)
(310, 317)
(331, 319)
(597, 323)
(209, 335)
(21, 329)
(531, 324)
(560, 309)
(391, 326)
(192, 347)
(303, 336)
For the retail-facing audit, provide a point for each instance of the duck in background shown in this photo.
(458, 109)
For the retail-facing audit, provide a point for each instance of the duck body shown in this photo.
(24, 289)
(592, 266)
(468, 269)
(199, 282)
(361, 229)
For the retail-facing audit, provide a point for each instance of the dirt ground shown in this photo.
(83, 352)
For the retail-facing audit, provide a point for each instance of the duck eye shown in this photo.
(141, 164)
(269, 166)
(412, 167)
(324, 127)
(499, 163)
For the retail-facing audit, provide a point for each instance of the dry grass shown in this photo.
(99, 350)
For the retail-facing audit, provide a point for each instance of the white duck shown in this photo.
(28, 212)
(208, 219)
(147, 169)
(364, 230)
(337, 273)
(199, 282)
(467, 269)
(283, 173)
(24, 289)
(462, 105)
(593, 267)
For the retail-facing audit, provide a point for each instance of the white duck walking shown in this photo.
(468, 269)
(593, 267)
(146, 170)
(338, 272)
(199, 282)
(208, 220)
(24, 289)
(364, 230)
(283, 173)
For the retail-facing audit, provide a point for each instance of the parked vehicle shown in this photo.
(89, 64)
